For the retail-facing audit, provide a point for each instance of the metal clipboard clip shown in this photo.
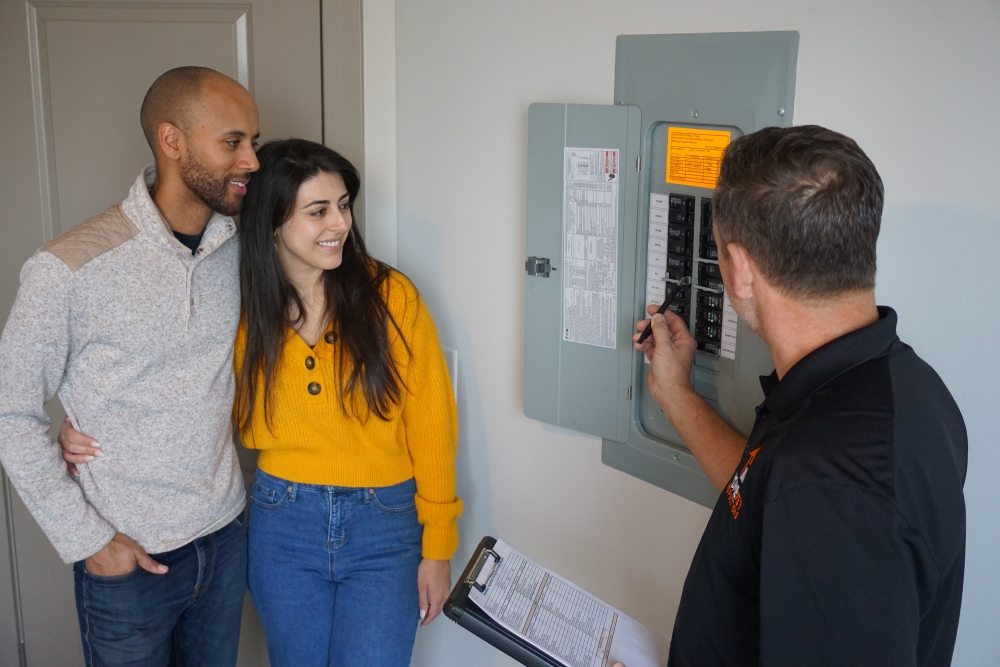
(471, 580)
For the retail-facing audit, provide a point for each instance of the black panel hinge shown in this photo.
(538, 266)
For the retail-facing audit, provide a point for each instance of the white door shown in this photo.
(72, 78)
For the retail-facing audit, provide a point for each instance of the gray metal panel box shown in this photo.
(707, 86)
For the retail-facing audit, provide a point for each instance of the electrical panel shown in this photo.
(619, 210)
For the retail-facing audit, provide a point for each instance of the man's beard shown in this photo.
(211, 190)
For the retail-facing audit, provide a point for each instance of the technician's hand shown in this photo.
(77, 447)
(121, 556)
(670, 350)
(433, 586)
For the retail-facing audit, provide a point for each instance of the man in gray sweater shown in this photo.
(130, 317)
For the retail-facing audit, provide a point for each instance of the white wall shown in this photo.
(916, 83)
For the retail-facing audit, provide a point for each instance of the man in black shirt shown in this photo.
(839, 535)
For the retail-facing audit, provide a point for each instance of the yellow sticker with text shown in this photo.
(695, 155)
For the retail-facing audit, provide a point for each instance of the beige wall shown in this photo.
(380, 127)
(914, 82)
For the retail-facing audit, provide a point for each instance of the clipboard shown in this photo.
(467, 614)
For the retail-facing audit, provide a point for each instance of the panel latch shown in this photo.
(538, 266)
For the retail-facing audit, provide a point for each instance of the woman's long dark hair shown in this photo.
(356, 291)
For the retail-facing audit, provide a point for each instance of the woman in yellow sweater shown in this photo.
(343, 388)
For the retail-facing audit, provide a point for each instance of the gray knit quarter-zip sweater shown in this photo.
(136, 336)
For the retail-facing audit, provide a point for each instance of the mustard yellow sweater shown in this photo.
(312, 441)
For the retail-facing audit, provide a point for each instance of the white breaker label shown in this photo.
(656, 251)
(729, 320)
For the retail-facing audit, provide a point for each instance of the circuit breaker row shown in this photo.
(707, 304)
(672, 233)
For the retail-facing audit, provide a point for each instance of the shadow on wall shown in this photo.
(934, 269)
(443, 637)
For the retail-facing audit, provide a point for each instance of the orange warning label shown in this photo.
(695, 155)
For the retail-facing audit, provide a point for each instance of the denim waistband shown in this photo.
(294, 487)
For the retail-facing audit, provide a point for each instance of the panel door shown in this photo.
(581, 214)
(72, 78)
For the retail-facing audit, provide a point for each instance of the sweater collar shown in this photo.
(142, 210)
(323, 348)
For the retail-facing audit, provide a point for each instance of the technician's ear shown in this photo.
(744, 271)
(170, 139)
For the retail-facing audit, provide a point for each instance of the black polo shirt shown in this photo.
(841, 538)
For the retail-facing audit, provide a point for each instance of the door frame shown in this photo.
(359, 108)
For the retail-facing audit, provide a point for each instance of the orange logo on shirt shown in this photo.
(733, 490)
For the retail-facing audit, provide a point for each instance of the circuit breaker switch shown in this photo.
(682, 309)
(679, 263)
(681, 209)
(710, 300)
(679, 247)
(711, 270)
(711, 283)
(710, 316)
(709, 331)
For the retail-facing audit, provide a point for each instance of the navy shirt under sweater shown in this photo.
(191, 241)
(841, 537)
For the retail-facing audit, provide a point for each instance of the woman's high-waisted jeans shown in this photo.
(333, 572)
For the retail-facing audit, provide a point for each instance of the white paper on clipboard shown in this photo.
(590, 246)
(563, 620)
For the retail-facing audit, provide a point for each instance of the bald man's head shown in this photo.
(174, 97)
(203, 129)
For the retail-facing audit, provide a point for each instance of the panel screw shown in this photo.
(781, 112)
(677, 457)
(620, 103)
(694, 113)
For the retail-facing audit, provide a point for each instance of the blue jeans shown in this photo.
(333, 572)
(189, 616)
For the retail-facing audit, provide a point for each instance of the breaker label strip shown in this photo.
(729, 320)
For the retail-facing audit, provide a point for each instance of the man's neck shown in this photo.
(184, 212)
(792, 328)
